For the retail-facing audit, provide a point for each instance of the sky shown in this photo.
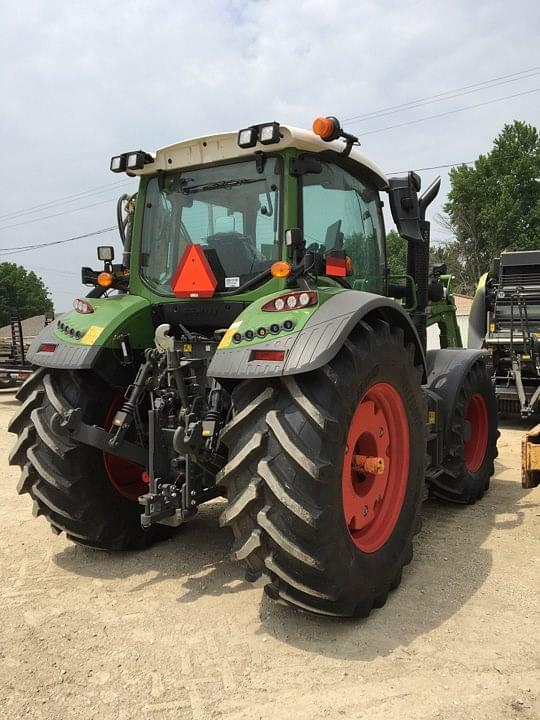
(82, 81)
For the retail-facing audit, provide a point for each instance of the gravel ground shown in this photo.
(175, 632)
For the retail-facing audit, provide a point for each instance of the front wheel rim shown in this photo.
(372, 502)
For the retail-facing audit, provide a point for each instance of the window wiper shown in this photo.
(219, 184)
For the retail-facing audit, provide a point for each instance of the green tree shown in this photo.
(396, 253)
(22, 292)
(495, 205)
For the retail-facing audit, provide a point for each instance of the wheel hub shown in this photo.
(375, 467)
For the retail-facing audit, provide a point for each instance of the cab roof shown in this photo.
(224, 146)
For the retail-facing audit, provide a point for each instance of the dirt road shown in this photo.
(176, 633)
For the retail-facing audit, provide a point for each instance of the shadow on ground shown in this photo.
(449, 567)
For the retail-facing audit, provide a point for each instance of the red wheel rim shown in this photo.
(126, 477)
(372, 502)
(476, 433)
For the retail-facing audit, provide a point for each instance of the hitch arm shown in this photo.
(72, 426)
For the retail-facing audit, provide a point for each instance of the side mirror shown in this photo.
(404, 205)
(105, 253)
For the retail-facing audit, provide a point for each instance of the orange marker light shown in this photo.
(104, 279)
(280, 269)
(323, 127)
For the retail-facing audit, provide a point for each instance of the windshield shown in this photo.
(232, 211)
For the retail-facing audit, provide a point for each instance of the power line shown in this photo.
(26, 248)
(66, 199)
(448, 112)
(55, 271)
(62, 212)
(435, 98)
(432, 167)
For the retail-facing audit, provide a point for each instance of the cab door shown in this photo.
(342, 212)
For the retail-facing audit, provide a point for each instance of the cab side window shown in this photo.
(342, 212)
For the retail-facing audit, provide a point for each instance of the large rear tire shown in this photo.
(472, 442)
(331, 539)
(70, 483)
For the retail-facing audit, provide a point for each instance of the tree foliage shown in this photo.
(396, 253)
(494, 205)
(22, 292)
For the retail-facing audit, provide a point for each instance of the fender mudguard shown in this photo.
(319, 341)
(92, 341)
(447, 370)
(67, 356)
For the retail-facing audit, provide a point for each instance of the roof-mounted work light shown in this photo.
(248, 137)
(265, 133)
(138, 159)
(118, 163)
(269, 133)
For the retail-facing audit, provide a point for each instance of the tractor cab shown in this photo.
(236, 195)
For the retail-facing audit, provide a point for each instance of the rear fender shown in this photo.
(319, 340)
(447, 370)
(92, 341)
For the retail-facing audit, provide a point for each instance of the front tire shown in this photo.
(70, 483)
(292, 489)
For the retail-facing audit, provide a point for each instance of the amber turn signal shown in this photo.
(105, 279)
(324, 127)
(280, 269)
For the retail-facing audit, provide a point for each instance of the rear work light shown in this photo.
(248, 137)
(291, 301)
(269, 134)
(138, 159)
(83, 307)
(265, 133)
(118, 163)
(134, 160)
(268, 355)
(47, 347)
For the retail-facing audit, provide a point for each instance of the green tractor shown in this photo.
(252, 344)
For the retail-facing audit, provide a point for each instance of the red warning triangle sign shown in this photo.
(193, 277)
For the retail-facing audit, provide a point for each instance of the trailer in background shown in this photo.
(14, 366)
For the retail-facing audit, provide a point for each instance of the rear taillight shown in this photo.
(81, 306)
(47, 347)
(291, 301)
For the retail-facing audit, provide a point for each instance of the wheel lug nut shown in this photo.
(381, 432)
(365, 511)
